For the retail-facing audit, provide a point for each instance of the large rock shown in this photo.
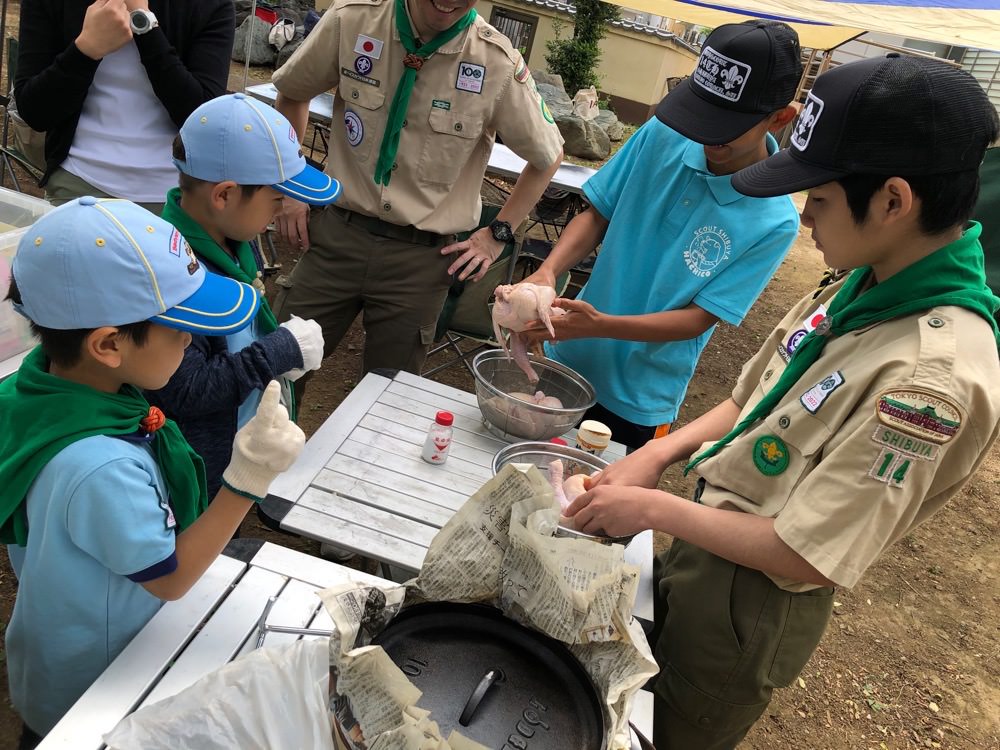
(549, 79)
(583, 138)
(611, 125)
(554, 95)
(287, 50)
(261, 52)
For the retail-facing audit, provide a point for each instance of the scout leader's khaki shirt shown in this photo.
(472, 88)
(876, 436)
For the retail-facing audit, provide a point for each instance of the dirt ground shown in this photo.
(912, 655)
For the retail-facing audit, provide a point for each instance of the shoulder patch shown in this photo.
(919, 413)
(521, 72)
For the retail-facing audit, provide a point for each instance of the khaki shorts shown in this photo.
(726, 637)
(64, 186)
(398, 286)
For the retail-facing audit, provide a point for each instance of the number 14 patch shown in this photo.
(891, 467)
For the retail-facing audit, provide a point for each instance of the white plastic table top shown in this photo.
(211, 625)
(361, 485)
(320, 107)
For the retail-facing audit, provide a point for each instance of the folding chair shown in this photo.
(14, 153)
(466, 315)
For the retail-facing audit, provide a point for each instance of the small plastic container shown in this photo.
(559, 441)
(593, 436)
(438, 439)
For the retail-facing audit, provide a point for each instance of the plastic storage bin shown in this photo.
(17, 213)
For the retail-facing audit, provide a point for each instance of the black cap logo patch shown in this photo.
(721, 75)
(806, 122)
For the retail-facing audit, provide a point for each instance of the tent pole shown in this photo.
(246, 45)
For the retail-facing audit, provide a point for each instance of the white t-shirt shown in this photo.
(124, 139)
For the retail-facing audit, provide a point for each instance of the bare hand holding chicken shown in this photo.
(517, 307)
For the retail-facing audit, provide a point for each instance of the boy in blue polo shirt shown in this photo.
(237, 158)
(680, 248)
(102, 501)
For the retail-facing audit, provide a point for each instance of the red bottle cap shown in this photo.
(558, 441)
(444, 417)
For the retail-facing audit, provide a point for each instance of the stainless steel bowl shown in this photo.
(575, 461)
(513, 419)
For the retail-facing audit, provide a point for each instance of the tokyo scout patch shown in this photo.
(369, 46)
(355, 128)
(470, 77)
(815, 396)
(897, 441)
(919, 413)
(770, 455)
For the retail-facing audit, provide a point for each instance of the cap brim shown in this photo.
(782, 174)
(311, 186)
(220, 306)
(701, 121)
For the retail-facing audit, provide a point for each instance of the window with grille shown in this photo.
(518, 27)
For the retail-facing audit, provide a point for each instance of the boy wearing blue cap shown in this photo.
(237, 158)
(102, 501)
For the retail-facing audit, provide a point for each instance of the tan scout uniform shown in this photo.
(887, 424)
(385, 259)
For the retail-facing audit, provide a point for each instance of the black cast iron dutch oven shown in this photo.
(495, 681)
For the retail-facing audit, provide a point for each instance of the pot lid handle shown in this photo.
(478, 694)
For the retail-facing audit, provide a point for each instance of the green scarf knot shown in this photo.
(953, 275)
(414, 58)
(40, 414)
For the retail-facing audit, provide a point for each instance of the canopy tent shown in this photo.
(965, 23)
(816, 35)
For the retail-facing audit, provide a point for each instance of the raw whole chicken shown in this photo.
(539, 399)
(566, 490)
(518, 305)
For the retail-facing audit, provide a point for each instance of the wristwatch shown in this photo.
(142, 21)
(501, 231)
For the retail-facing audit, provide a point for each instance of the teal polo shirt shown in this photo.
(678, 234)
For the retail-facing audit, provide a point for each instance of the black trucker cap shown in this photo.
(745, 72)
(893, 115)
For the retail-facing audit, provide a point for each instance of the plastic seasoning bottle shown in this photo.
(438, 439)
(593, 436)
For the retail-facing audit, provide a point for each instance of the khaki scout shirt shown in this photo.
(472, 88)
(888, 424)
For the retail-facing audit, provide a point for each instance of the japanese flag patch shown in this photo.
(369, 46)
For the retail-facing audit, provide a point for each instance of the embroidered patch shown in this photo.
(806, 122)
(521, 72)
(721, 75)
(890, 467)
(793, 342)
(815, 396)
(770, 455)
(363, 65)
(470, 77)
(358, 77)
(355, 128)
(897, 441)
(919, 413)
(545, 111)
(192, 260)
(709, 247)
(292, 135)
(175, 243)
(783, 353)
(169, 521)
(440, 104)
(368, 46)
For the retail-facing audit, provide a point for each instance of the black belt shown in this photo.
(393, 231)
(699, 488)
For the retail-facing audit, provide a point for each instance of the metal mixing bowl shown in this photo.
(513, 419)
(575, 461)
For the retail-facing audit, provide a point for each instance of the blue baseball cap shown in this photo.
(107, 262)
(237, 138)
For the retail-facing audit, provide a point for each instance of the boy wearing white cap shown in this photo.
(835, 443)
(102, 501)
(237, 158)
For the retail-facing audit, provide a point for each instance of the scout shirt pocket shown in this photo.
(450, 140)
(364, 119)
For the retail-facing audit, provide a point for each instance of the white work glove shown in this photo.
(265, 446)
(309, 336)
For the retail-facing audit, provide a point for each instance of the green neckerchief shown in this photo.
(952, 275)
(243, 268)
(40, 414)
(413, 60)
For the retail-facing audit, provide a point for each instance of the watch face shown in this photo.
(501, 231)
(140, 21)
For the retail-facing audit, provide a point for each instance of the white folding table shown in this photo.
(211, 625)
(361, 485)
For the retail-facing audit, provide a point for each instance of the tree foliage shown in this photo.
(576, 59)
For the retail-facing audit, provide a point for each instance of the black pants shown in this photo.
(725, 637)
(629, 434)
(29, 740)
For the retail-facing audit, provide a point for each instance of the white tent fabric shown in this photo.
(965, 23)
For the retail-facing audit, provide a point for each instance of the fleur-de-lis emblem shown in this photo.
(806, 119)
(731, 78)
